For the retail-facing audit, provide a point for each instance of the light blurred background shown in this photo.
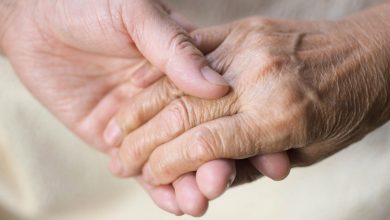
(47, 173)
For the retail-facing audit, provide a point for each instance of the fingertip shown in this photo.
(217, 85)
(128, 167)
(213, 77)
(163, 196)
(204, 82)
(214, 177)
(115, 165)
(190, 199)
(275, 166)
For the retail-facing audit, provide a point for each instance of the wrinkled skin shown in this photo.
(308, 88)
(82, 60)
(82, 71)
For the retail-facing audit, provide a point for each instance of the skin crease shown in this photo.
(308, 88)
(79, 60)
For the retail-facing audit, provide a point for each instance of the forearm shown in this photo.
(7, 9)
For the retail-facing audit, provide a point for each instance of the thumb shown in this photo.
(169, 47)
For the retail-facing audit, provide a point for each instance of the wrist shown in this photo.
(8, 10)
(371, 30)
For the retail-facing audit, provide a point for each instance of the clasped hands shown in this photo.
(293, 88)
(288, 80)
(273, 94)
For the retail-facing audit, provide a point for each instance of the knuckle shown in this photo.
(177, 116)
(132, 118)
(181, 44)
(162, 165)
(182, 41)
(202, 147)
(162, 171)
(134, 159)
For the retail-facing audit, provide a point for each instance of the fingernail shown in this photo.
(116, 164)
(147, 174)
(213, 77)
(113, 134)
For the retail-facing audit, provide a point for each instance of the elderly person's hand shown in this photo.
(309, 88)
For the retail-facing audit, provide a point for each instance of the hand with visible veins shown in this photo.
(81, 59)
(307, 88)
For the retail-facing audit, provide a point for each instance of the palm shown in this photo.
(82, 78)
(77, 58)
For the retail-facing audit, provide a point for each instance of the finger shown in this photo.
(228, 137)
(246, 173)
(138, 110)
(163, 196)
(170, 48)
(146, 76)
(275, 166)
(189, 198)
(91, 128)
(178, 117)
(208, 39)
(150, 74)
(214, 177)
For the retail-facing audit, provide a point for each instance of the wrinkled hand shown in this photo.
(309, 88)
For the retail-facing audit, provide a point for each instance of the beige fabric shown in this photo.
(46, 173)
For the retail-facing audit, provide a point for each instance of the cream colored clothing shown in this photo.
(46, 173)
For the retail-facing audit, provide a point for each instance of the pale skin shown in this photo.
(307, 88)
(86, 60)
